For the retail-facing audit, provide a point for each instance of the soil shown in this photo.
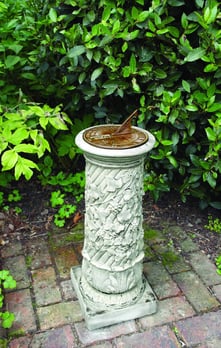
(37, 216)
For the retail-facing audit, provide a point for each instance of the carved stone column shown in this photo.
(110, 284)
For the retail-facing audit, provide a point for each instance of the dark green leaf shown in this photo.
(195, 54)
(76, 51)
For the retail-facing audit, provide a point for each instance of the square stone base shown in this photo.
(146, 305)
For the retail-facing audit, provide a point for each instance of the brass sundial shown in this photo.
(122, 136)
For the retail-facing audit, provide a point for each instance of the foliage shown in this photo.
(218, 264)
(214, 224)
(6, 282)
(103, 59)
(26, 131)
(72, 183)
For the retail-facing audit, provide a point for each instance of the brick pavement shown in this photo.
(48, 313)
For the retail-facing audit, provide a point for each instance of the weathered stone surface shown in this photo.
(199, 329)
(102, 345)
(195, 291)
(160, 280)
(45, 287)
(205, 268)
(17, 266)
(213, 343)
(20, 303)
(62, 337)
(13, 249)
(65, 258)
(187, 245)
(169, 310)
(68, 292)
(21, 342)
(89, 337)
(38, 253)
(158, 337)
(217, 291)
(180, 265)
(59, 314)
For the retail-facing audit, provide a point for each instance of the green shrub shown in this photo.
(103, 59)
(29, 130)
(6, 282)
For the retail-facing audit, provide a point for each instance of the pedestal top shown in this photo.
(137, 150)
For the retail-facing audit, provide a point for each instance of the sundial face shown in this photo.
(106, 137)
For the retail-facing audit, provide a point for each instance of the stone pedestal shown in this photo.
(110, 284)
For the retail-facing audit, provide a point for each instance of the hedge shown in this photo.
(103, 59)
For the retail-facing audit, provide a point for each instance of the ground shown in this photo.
(169, 210)
(47, 313)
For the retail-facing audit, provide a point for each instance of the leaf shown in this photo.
(7, 319)
(186, 86)
(18, 136)
(135, 85)
(43, 122)
(96, 73)
(143, 16)
(184, 21)
(58, 123)
(106, 13)
(116, 27)
(200, 3)
(23, 167)
(210, 67)
(125, 46)
(191, 108)
(133, 64)
(195, 54)
(211, 135)
(210, 179)
(27, 148)
(160, 74)
(210, 14)
(216, 205)
(10, 61)
(76, 51)
(173, 161)
(53, 15)
(214, 107)
(9, 159)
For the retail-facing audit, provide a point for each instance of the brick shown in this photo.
(177, 231)
(45, 287)
(13, 249)
(62, 337)
(169, 310)
(195, 291)
(213, 343)
(199, 329)
(217, 291)
(17, 266)
(19, 302)
(157, 337)
(23, 342)
(174, 266)
(88, 337)
(59, 314)
(180, 265)
(188, 245)
(205, 268)
(160, 280)
(68, 292)
(102, 345)
(38, 253)
(65, 258)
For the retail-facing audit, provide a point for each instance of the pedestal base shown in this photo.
(97, 317)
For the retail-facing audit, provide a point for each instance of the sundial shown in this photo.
(122, 136)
